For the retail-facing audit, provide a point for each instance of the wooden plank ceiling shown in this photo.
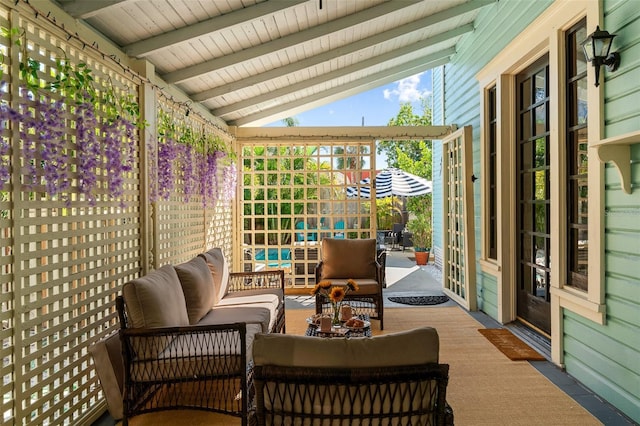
(252, 62)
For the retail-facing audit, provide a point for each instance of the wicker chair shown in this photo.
(353, 259)
(204, 367)
(309, 380)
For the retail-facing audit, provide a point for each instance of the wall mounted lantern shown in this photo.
(596, 49)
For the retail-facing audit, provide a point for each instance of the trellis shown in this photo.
(64, 259)
(293, 194)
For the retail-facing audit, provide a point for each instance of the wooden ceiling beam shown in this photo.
(83, 9)
(309, 34)
(151, 45)
(395, 57)
(269, 115)
(331, 55)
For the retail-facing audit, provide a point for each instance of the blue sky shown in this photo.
(377, 106)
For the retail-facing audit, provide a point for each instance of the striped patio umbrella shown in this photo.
(391, 182)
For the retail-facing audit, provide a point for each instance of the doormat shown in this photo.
(514, 348)
(419, 300)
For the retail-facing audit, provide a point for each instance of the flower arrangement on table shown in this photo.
(335, 294)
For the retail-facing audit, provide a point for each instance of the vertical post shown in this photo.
(148, 135)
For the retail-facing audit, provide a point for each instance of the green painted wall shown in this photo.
(496, 26)
(606, 358)
(603, 357)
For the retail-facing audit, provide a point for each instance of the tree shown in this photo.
(411, 148)
(413, 156)
(290, 122)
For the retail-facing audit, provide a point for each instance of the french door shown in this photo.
(533, 196)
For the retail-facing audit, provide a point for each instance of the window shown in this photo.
(492, 177)
(576, 158)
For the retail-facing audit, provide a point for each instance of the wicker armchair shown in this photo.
(308, 380)
(358, 260)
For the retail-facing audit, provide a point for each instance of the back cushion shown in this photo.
(390, 350)
(198, 288)
(218, 267)
(156, 299)
(348, 258)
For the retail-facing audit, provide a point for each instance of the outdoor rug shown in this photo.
(419, 300)
(514, 348)
(480, 379)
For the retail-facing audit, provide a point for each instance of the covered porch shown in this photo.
(182, 84)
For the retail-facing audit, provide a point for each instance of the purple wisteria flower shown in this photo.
(230, 178)
(42, 131)
(89, 150)
(167, 154)
(7, 115)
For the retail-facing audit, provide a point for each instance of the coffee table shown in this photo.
(314, 330)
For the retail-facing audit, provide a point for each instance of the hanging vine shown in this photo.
(189, 155)
(105, 137)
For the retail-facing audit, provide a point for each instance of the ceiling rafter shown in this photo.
(341, 51)
(359, 66)
(83, 9)
(347, 49)
(294, 39)
(166, 40)
(339, 92)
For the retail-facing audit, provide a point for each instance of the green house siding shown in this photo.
(436, 157)
(487, 294)
(456, 87)
(603, 357)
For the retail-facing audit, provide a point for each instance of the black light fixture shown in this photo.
(596, 49)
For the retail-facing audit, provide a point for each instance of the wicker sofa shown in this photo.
(186, 338)
(394, 379)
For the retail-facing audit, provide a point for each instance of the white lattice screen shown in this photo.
(63, 260)
(459, 239)
(293, 195)
(181, 219)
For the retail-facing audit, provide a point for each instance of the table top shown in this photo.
(314, 330)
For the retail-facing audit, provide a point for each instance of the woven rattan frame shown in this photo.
(410, 395)
(215, 379)
(370, 304)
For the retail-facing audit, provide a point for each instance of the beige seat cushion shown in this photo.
(249, 314)
(267, 301)
(270, 290)
(349, 258)
(108, 362)
(413, 347)
(198, 288)
(156, 299)
(219, 268)
(365, 285)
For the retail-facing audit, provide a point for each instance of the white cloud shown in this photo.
(407, 90)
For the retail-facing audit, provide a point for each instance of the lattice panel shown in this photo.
(63, 261)
(458, 269)
(187, 226)
(7, 286)
(293, 197)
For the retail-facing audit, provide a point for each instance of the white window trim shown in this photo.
(546, 35)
